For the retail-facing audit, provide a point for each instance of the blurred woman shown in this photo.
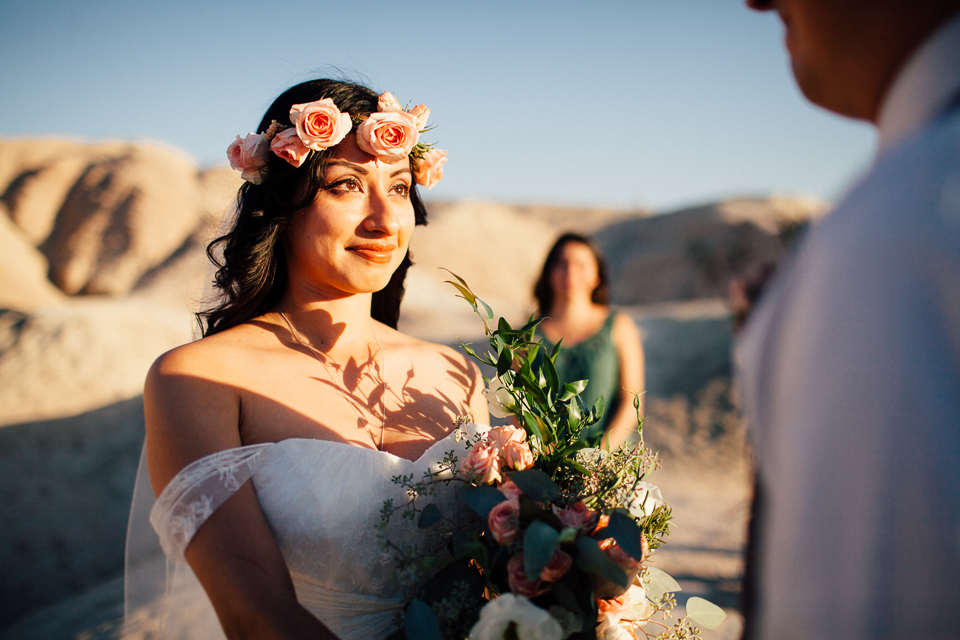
(599, 344)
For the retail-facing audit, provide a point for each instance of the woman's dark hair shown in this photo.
(543, 290)
(253, 272)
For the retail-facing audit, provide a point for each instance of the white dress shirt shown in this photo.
(850, 375)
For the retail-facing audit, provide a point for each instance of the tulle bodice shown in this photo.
(323, 501)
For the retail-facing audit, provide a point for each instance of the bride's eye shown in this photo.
(347, 184)
(402, 189)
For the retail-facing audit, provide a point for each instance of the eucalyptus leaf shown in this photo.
(482, 499)
(539, 543)
(627, 533)
(659, 583)
(566, 598)
(705, 613)
(421, 623)
(429, 516)
(590, 558)
(536, 485)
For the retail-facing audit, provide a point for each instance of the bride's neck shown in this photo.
(335, 326)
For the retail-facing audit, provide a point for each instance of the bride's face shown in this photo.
(356, 232)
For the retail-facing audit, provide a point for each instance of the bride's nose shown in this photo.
(383, 216)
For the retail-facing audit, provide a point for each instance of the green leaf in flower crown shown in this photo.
(429, 516)
(504, 362)
(420, 622)
(536, 485)
(539, 543)
(482, 499)
(659, 582)
(626, 532)
(590, 558)
(705, 613)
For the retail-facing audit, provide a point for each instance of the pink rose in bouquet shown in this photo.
(519, 583)
(621, 557)
(509, 489)
(389, 136)
(517, 455)
(429, 169)
(288, 146)
(603, 588)
(502, 435)
(504, 521)
(249, 155)
(559, 564)
(482, 464)
(578, 515)
(320, 124)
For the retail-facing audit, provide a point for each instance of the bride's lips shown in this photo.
(378, 252)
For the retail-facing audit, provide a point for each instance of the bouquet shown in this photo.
(561, 536)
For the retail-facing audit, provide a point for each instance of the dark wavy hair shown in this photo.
(543, 291)
(252, 274)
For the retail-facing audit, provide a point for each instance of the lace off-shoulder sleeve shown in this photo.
(196, 492)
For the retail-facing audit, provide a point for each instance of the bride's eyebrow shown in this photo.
(399, 171)
(343, 163)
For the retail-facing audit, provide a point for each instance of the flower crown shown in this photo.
(390, 134)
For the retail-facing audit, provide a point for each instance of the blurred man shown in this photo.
(850, 364)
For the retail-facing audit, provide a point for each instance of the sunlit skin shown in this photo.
(575, 317)
(255, 384)
(845, 54)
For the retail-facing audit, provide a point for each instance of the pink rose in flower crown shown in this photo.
(504, 521)
(577, 515)
(320, 124)
(517, 455)
(511, 490)
(387, 103)
(389, 136)
(482, 464)
(520, 585)
(249, 155)
(429, 169)
(288, 146)
(422, 114)
(559, 564)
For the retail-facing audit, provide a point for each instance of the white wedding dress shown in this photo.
(323, 501)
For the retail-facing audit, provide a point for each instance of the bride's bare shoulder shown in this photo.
(218, 357)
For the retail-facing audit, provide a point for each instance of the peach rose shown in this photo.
(559, 564)
(502, 435)
(511, 490)
(621, 557)
(249, 156)
(504, 521)
(422, 114)
(320, 124)
(386, 103)
(389, 136)
(517, 455)
(520, 585)
(577, 515)
(288, 146)
(429, 169)
(482, 464)
(628, 610)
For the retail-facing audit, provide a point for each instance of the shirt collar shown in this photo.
(924, 87)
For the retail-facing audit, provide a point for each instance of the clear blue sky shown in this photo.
(653, 103)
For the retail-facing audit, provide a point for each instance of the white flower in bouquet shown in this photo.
(532, 622)
(646, 497)
(499, 400)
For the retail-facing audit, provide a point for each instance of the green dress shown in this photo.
(595, 359)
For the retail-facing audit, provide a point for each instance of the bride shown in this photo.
(302, 383)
